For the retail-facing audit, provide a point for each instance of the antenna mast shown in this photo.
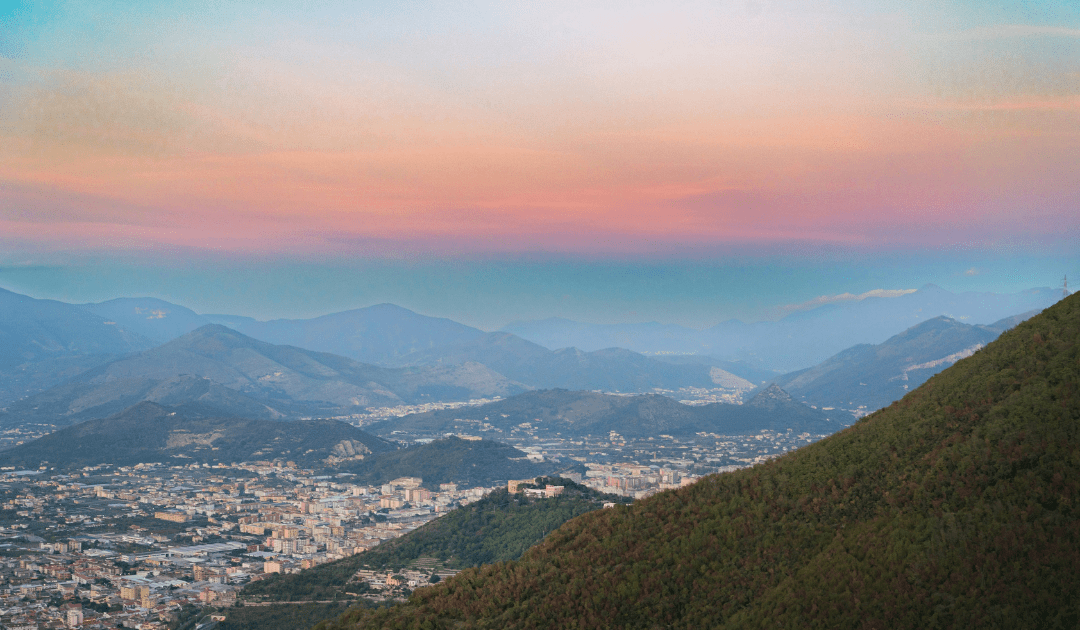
(1065, 290)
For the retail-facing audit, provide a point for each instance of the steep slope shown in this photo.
(575, 413)
(955, 506)
(149, 432)
(244, 376)
(44, 342)
(865, 378)
(377, 334)
(610, 369)
(795, 342)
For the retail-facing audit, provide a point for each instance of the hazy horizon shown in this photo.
(488, 163)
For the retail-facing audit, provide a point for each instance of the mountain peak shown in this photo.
(771, 397)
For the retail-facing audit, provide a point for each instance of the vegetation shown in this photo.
(956, 505)
(498, 527)
(280, 616)
(148, 432)
(469, 462)
(873, 376)
(569, 413)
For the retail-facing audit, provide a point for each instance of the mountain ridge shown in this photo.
(607, 369)
(251, 377)
(578, 413)
(152, 433)
(801, 339)
(866, 377)
(953, 506)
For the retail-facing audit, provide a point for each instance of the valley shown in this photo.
(164, 485)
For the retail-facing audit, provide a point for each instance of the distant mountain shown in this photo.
(154, 319)
(44, 342)
(865, 378)
(148, 432)
(238, 375)
(799, 340)
(453, 460)
(378, 334)
(577, 413)
(752, 374)
(954, 507)
(610, 369)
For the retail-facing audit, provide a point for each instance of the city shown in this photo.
(139, 546)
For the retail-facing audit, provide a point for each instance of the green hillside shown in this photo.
(498, 527)
(194, 433)
(953, 507)
(468, 462)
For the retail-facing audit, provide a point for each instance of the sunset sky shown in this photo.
(683, 162)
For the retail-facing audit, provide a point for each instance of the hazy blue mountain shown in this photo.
(155, 319)
(43, 342)
(742, 369)
(148, 432)
(799, 340)
(218, 366)
(866, 377)
(377, 334)
(610, 369)
(232, 321)
(1011, 322)
(578, 413)
(648, 337)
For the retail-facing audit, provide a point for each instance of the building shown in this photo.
(512, 485)
(407, 482)
(417, 495)
(74, 616)
(175, 517)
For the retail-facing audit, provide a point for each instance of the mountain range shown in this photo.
(44, 342)
(610, 369)
(51, 342)
(95, 359)
(217, 366)
(192, 433)
(569, 414)
(379, 334)
(797, 341)
(867, 377)
(392, 336)
(953, 507)
(148, 432)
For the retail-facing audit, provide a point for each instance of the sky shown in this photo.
(680, 162)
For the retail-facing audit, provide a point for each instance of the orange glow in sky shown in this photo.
(571, 128)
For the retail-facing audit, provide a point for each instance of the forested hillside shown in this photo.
(192, 433)
(955, 506)
(468, 462)
(499, 527)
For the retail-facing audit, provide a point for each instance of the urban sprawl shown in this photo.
(135, 547)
